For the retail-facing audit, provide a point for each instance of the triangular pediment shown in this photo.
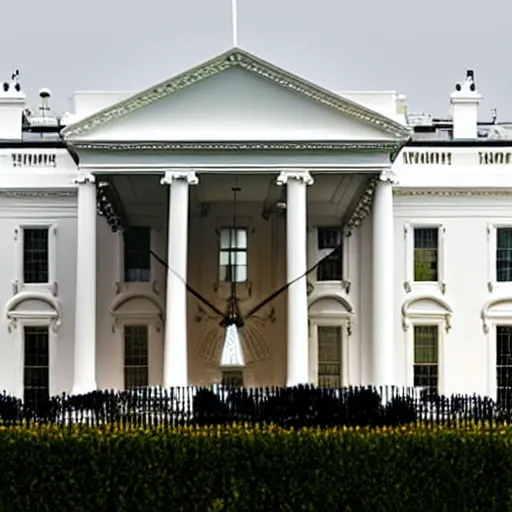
(236, 97)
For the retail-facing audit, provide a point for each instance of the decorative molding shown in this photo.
(488, 316)
(52, 318)
(171, 176)
(38, 194)
(451, 192)
(236, 146)
(245, 60)
(363, 207)
(84, 179)
(145, 314)
(427, 314)
(388, 176)
(296, 174)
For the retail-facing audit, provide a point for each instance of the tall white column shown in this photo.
(85, 302)
(383, 293)
(175, 344)
(296, 265)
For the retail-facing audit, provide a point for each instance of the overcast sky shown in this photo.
(419, 48)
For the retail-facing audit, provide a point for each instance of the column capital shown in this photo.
(84, 178)
(388, 176)
(189, 176)
(295, 174)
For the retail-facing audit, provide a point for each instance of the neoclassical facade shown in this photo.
(361, 246)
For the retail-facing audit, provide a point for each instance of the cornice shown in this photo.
(363, 207)
(452, 192)
(245, 60)
(39, 194)
(236, 146)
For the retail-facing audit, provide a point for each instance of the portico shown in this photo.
(303, 157)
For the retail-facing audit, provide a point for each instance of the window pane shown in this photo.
(137, 258)
(136, 366)
(36, 374)
(330, 269)
(328, 238)
(504, 254)
(241, 274)
(241, 239)
(426, 354)
(426, 254)
(329, 356)
(35, 255)
(233, 253)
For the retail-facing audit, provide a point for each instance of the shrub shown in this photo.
(241, 468)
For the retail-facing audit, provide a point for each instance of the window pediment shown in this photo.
(330, 305)
(135, 307)
(496, 309)
(426, 308)
(33, 307)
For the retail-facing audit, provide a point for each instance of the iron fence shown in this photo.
(301, 406)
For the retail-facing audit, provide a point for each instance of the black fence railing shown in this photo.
(298, 407)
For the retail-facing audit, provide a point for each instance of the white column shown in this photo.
(175, 344)
(85, 302)
(296, 265)
(383, 294)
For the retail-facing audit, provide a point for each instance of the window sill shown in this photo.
(409, 286)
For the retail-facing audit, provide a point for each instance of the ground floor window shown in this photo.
(36, 371)
(504, 362)
(426, 357)
(136, 357)
(233, 378)
(329, 356)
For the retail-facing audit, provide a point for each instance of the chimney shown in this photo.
(465, 100)
(12, 105)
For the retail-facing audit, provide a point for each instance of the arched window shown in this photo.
(497, 325)
(426, 320)
(34, 319)
(330, 319)
(139, 320)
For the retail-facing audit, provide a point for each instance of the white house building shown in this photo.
(122, 237)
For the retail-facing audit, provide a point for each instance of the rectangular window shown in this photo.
(504, 254)
(233, 255)
(426, 353)
(232, 378)
(36, 370)
(137, 257)
(329, 356)
(35, 255)
(136, 360)
(426, 254)
(330, 269)
(504, 363)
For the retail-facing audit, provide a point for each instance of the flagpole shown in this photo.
(234, 15)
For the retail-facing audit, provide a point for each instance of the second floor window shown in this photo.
(35, 255)
(233, 255)
(426, 254)
(137, 258)
(329, 269)
(504, 254)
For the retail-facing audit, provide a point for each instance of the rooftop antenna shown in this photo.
(234, 21)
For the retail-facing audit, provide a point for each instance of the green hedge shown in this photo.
(252, 469)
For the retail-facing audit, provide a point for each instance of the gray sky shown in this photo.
(419, 48)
